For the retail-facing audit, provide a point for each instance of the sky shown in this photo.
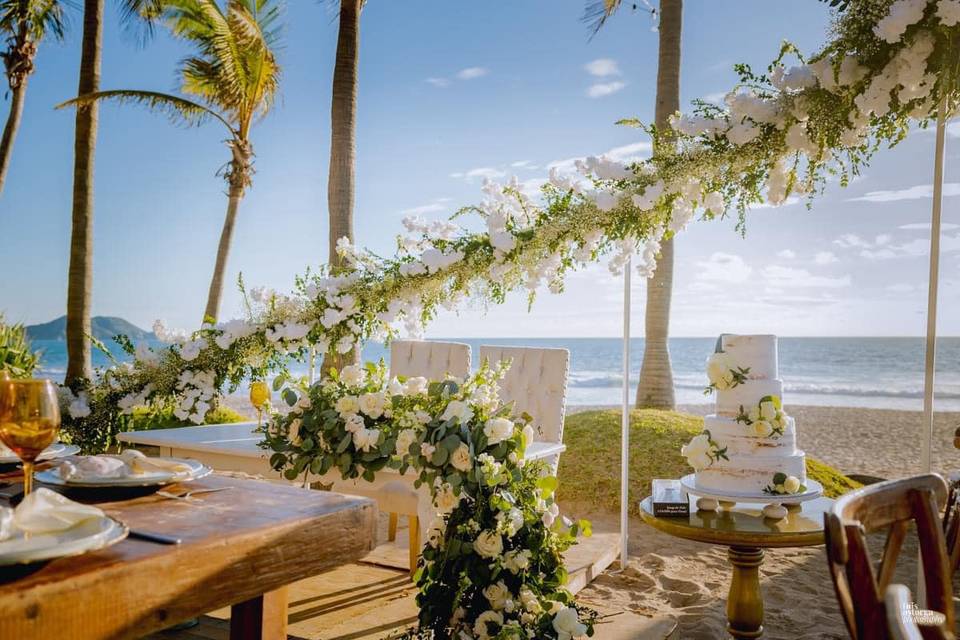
(451, 93)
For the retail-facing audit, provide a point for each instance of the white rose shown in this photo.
(354, 423)
(352, 375)
(480, 628)
(347, 405)
(762, 428)
(550, 515)
(488, 544)
(529, 600)
(697, 452)
(458, 409)
(791, 484)
(516, 561)
(446, 501)
(498, 429)
(395, 387)
(365, 439)
(406, 438)
(718, 370)
(427, 449)
(460, 459)
(768, 410)
(435, 532)
(415, 386)
(372, 404)
(567, 624)
(497, 595)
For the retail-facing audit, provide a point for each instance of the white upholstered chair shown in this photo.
(536, 383)
(397, 496)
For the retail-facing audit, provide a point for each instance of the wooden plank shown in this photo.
(238, 544)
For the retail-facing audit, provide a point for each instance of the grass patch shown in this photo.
(590, 467)
(145, 420)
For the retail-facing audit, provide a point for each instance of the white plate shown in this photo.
(814, 490)
(89, 535)
(158, 478)
(56, 450)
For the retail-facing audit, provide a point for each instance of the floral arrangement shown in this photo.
(723, 373)
(492, 564)
(702, 451)
(767, 419)
(783, 485)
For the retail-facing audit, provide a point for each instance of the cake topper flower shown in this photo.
(767, 419)
(724, 373)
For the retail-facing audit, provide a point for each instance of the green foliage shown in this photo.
(590, 468)
(17, 357)
(145, 419)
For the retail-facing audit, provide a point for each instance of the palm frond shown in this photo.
(37, 18)
(596, 12)
(178, 110)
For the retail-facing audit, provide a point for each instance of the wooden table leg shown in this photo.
(745, 602)
(262, 618)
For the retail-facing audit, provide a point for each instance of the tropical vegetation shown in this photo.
(17, 357)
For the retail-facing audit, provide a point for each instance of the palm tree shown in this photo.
(655, 389)
(80, 274)
(24, 23)
(343, 143)
(234, 75)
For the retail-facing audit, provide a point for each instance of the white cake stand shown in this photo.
(814, 491)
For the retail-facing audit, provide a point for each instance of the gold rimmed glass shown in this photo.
(29, 420)
(259, 397)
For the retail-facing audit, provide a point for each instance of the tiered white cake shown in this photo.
(749, 446)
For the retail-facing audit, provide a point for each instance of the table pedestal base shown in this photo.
(745, 603)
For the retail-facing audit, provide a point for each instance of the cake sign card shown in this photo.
(669, 499)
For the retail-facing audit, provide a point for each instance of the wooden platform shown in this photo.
(374, 599)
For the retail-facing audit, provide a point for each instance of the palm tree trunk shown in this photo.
(80, 278)
(655, 389)
(223, 252)
(343, 147)
(11, 128)
(343, 120)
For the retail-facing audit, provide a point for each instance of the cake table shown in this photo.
(746, 533)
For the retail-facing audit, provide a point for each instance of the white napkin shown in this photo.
(6, 523)
(140, 463)
(81, 467)
(44, 511)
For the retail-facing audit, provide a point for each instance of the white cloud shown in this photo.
(825, 257)
(789, 277)
(715, 98)
(480, 172)
(901, 288)
(472, 72)
(791, 200)
(724, 267)
(851, 240)
(879, 254)
(917, 192)
(438, 82)
(602, 67)
(601, 89)
(440, 204)
(523, 164)
(787, 254)
(925, 226)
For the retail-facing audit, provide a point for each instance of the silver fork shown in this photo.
(188, 496)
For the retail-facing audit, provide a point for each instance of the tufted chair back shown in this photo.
(536, 383)
(432, 360)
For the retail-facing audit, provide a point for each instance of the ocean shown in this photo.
(885, 373)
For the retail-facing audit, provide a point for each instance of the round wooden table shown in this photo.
(743, 529)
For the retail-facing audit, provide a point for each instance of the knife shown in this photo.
(158, 538)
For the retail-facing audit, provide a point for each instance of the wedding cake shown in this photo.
(749, 445)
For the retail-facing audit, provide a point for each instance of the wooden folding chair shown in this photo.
(902, 616)
(860, 587)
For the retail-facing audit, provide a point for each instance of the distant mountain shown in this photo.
(104, 328)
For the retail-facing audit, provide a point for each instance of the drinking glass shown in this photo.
(29, 420)
(259, 397)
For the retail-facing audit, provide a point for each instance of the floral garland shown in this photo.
(492, 564)
(767, 419)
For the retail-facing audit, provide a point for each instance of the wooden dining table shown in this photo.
(240, 546)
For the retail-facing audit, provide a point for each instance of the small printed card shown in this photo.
(669, 499)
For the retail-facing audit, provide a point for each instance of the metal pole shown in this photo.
(926, 453)
(625, 424)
